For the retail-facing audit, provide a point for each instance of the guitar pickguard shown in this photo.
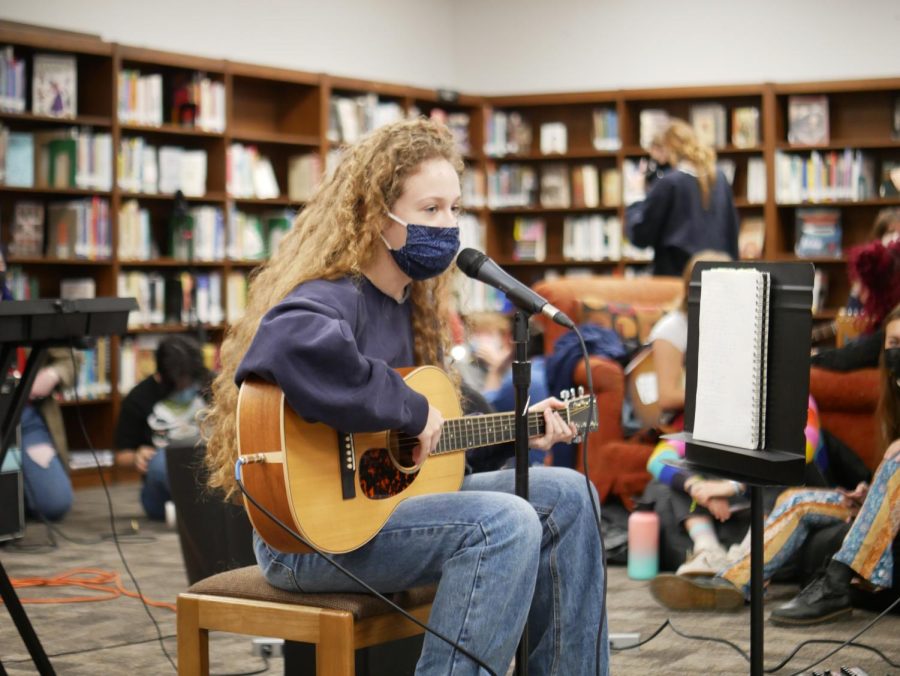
(379, 477)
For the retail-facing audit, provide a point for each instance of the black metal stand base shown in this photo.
(23, 624)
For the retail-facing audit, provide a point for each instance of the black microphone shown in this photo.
(478, 266)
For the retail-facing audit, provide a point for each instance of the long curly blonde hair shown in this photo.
(682, 144)
(335, 236)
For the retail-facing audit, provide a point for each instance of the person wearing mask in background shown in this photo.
(45, 474)
(159, 411)
(874, 269)
(688, 209)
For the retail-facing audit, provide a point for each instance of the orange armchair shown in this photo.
(847, 403)
(615, 465)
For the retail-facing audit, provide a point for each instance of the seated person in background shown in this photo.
(489, 356)
(695, 503)
(866, 550)
(874, 269)
(159, 411)
(486, 367)
(45, 473)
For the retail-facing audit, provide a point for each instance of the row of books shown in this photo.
(78, 229)
(592, 238)
(818, 233)
(352, 117)
(257, 236)
(12, 81)
(143, 168)
(92, 381)
(558, 186)
(506, 133)
(822, 177)
(457, 122)
(250, 174)
(71, 158)
(710, 123)
(173, 297)
(198, 234)
(54, 84)
(606, 129)
(197, 100)
(140, 98)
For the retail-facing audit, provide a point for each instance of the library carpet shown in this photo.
(117, 636)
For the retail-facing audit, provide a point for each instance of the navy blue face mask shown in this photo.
(428, 251)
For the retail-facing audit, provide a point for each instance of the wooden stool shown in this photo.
(242, 602)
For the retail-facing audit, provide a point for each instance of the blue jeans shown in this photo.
(499, 561)
(155, 491)
(48, 490)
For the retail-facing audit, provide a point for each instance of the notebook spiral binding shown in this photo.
(760, 361)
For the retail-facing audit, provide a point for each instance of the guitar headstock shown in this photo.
(579, 407)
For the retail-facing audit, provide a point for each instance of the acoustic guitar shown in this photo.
(642, 390)
(338, 489)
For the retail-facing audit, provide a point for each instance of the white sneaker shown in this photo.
(705, 562)
(736, 553)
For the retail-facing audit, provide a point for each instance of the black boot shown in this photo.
(825, 599)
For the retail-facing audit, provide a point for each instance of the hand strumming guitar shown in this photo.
(429, 436)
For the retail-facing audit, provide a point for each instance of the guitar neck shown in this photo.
(460, 434)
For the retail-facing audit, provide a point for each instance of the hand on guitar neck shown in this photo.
(556, 430)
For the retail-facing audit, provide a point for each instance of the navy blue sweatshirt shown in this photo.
(331, 346)
(673, 221)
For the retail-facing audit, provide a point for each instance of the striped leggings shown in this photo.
(867, 546)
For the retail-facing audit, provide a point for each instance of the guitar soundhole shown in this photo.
(379, 478)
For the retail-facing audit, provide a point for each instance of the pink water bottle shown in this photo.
(643, 543)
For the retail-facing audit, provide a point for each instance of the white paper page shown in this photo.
(726, 408)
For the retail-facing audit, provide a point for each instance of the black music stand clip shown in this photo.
(783, 461)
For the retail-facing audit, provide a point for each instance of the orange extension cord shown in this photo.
(107, 583)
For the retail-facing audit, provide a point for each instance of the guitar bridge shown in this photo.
(347, 461)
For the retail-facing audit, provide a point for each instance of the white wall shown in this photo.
(510, 46)
(566, 45)
(389, 40)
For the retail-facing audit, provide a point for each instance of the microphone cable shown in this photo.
(584, 459)
(784, 662)
(112, 517)
(290, 531)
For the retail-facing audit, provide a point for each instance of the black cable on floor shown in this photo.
(778, 667)
(112, 516)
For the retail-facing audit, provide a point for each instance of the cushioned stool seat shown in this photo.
(241, 601)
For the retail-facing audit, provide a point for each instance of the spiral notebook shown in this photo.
(732, 358)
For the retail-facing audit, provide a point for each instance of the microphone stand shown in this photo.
(521, 373)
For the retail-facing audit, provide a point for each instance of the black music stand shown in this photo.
(40, 324)
(783, 460)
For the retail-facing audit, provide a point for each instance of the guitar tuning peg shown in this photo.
(564, 395)
(572, 392)
(581, 390)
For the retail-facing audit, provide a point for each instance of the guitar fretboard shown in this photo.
(484, 430)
